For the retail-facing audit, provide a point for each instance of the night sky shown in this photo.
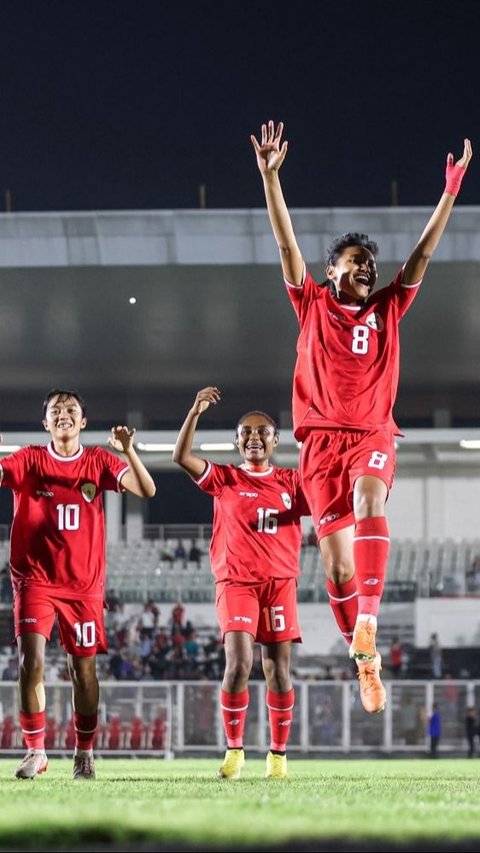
(133, 105)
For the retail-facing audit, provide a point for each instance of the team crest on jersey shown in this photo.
(287, 500)
(374, 321)
(89, 490)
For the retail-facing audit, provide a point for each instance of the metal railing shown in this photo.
(178, 718)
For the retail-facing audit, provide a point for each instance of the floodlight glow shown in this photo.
(226, 445)
(156, 448)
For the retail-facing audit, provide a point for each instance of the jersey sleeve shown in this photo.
(112, 470)
(302, 295)
(214, 479)
(15, 468)
(402, 294)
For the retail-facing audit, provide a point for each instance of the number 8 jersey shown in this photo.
(58, 530)
(346, 374)
(257, 532)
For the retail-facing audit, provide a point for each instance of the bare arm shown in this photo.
(423, 251)
(270, 156)
(137, 479)
(182, 455)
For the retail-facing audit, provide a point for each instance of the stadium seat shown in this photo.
(8, 734)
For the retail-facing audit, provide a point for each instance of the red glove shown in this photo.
(453, 176)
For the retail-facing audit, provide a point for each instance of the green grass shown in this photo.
(181, 801)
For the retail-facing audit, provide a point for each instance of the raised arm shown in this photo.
(271, 153)
(182, 455)
(423, 251)
(137, 479)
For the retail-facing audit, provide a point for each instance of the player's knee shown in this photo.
(237, 672)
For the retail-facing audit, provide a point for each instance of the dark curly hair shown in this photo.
(353, 238)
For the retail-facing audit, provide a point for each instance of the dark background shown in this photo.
(108, 104)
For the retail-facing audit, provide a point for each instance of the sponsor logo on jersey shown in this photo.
(248, 494)
(44, 494)
(241, 619)
(287, 500)
(29, 620)
(89, 491)
(374, 321)
(327, 518)
(335, 316)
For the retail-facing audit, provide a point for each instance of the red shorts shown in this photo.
(267, 611)
(330, 463)
(80, 622)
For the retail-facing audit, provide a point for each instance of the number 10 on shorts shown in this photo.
(274, 618)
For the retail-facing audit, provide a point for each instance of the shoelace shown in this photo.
(83, 765)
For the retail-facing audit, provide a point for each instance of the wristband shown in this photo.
(453, 176)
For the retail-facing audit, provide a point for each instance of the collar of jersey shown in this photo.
(59, 458)
(256, 473)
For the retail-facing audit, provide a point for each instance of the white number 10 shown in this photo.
(68, 516)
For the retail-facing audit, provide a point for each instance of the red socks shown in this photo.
(280, 715)
(33, 729)
(234, 712)
(85, 730)
(344, 605)
(371, 546)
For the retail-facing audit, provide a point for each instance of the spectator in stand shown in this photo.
(434, 730)
(195, 555)
(158, 658)
(436, 662)
(11, 673)
(180, 553)
(177, 617)
(211, 655)
(312, 538)
(254, 551)
(112, 599)
(471, 729)
(6, 591)
(396, 657)
(149, 619)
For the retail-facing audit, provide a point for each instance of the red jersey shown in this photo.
(257, 533)
(58, 531)
(346, 374)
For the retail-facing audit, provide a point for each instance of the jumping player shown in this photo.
(344, 389)
(254, 554)
(57, 562)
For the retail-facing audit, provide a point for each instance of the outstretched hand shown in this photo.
(270, 153)
(121, 438)
(454, 172)
(204, 398)
(464, 159)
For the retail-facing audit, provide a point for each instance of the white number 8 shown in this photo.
(360, 339)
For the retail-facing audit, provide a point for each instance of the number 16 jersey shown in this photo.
(257, 532)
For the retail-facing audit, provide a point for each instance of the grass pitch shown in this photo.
(384, 804)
